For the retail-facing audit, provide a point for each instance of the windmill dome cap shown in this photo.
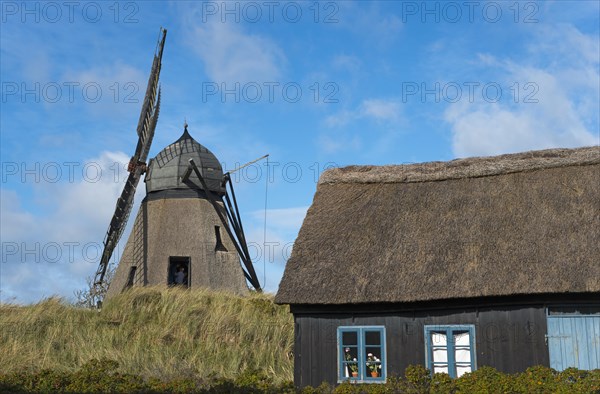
(167, 170)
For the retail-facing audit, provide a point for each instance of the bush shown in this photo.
(442, 383)
(573, 380)
(484, 380)
(418, 378)
(537, 379)
(100, 376)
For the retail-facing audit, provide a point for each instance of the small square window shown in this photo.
(361, 354)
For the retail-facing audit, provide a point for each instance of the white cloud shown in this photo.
(381, 116)
(567, 45)
(558, 107)
(346, 63)
(339, 142)
(381, 110)
(232, 55)
(384, 110)
(54, 252)
(16, 223)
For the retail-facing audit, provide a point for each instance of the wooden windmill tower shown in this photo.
(188, 231)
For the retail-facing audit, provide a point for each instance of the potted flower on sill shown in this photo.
(373, 364)
(353, 365)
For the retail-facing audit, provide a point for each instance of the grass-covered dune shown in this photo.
(162, 333)
(165, 340)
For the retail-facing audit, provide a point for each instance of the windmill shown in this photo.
(177, 235)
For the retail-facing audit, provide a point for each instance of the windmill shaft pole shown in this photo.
(237, 212)
(187, 174)
(241, 236)
(237, 226)
(247, 164)
(237, 229)
(234, 221)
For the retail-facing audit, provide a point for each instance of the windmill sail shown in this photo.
(145, 132)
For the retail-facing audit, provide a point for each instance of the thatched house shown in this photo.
(453, 265)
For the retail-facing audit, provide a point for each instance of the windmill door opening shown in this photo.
(131, 277)
(179, 271)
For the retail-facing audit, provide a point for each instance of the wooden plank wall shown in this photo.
(509, 339)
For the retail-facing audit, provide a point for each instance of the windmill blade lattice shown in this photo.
(137, 164)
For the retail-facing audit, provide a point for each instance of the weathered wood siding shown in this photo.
(508, 338)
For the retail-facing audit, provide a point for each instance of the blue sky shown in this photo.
(314, 84)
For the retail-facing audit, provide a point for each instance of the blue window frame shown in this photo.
(450, 349)
(361, 353)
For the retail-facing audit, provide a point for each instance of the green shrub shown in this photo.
(101, 376)
(323, 388)
(418, 379)
(572, 380)
(442, 383)
(538, 379)
(484, 380)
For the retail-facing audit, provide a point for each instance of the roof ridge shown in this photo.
(473, 167)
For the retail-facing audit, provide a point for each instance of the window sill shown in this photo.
(367, 381)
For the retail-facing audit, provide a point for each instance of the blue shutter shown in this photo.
(574, 341)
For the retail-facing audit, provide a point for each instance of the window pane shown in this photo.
(350, 353)
(349, 338)
(463, 356)
(439, 350)
(438, 339)
(460, 370)
(440, 355)
(373, 367)
(440, 369)
(372, 338)
(374, 352)
(462, 338)
(462, 353)
(349, 369)
(373, 361)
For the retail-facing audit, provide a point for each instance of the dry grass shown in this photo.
(154, 332)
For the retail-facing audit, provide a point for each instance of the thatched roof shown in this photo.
(526, 223)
